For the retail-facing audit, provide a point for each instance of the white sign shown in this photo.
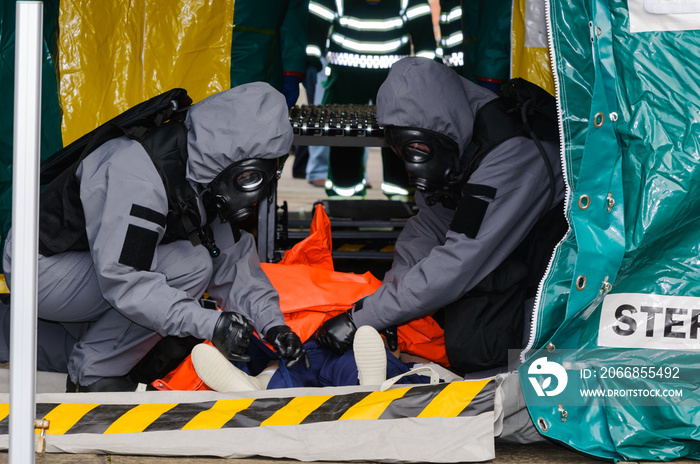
(664, 15)
(638, 320)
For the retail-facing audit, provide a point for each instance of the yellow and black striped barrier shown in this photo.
(455, 399)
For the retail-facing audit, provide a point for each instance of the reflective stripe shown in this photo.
(454, 59)
(313, 50)
(346, 191)
(454, 39)
(369, 47)
(322, 11)
(362, 61)
(339, 7)
(418, 11)
(371, 25)
(392, 189)
(426, 54)
(455, 13)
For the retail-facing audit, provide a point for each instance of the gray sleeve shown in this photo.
(125, 207)
(515, 169)
(239, 283)
(422, 232)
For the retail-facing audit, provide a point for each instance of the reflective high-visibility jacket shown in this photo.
(369, 34)
(451, 33)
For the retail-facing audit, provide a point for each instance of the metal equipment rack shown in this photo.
(365, 228)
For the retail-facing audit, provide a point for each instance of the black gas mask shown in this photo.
(431, 161)
(237, 190)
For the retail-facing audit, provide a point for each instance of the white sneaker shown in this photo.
(370, 356)
(219, 374)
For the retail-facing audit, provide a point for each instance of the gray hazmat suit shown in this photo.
(117, 312)
(434, 265)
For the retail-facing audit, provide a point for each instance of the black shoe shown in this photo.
(105, 384)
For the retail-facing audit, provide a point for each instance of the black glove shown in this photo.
(232, 336)
(337, 333)
(392, 337)
(290, 88)
(288, 345)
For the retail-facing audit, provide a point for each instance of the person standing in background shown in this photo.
(269, 44)
(361, 39)
(317, 162)
(475, 40)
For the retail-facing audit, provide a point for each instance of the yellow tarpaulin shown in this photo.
(131, 51)
(529, 49)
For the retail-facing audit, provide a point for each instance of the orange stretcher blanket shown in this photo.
(311, 291)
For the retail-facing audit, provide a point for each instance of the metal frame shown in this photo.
(25, 220)
(267, 210)
(340, 141)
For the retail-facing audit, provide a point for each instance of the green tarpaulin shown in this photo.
(619, 307)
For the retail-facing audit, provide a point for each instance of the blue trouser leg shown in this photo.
(330, 369)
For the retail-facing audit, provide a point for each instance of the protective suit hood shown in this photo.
(247, 121)
(422, 93)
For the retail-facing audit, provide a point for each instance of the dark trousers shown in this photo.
(348, 85)
(329, 369)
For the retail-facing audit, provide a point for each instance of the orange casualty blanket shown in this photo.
(311, 291)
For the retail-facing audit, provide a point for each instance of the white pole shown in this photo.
(25, 242)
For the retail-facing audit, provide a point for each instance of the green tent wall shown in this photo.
(629, 105)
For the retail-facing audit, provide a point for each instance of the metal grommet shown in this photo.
(542, 424)
(613, 116)
(581, 282)
(550, 347)
(584, 201)
(598, 120)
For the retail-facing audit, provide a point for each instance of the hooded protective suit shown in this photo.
(436, 260)
(117, 300)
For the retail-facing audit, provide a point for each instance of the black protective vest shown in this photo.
(62, 220)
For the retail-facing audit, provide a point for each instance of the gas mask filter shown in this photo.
(238, 189)
(431, 159)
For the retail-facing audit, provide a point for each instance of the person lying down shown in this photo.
(369, 363)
